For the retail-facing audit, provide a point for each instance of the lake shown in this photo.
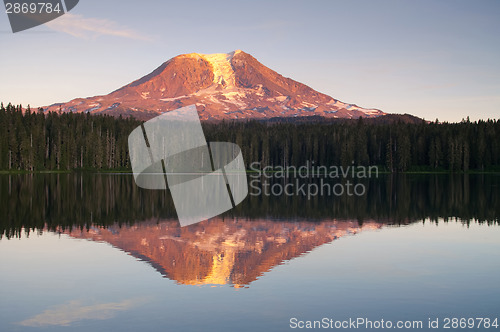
(84, 252)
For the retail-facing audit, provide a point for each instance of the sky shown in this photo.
(432, 59)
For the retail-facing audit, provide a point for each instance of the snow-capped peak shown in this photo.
(221, 64)
(223, 85)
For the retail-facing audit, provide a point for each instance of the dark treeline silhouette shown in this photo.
(62, 201)
(396, 147)
(36, 141)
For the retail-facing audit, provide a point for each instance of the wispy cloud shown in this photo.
(74, 311)
(90, 28)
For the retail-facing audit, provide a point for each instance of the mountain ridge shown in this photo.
(231, 85)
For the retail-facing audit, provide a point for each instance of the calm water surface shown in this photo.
(95, 253)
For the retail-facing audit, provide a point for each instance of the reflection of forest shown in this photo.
(231, 251)
(65, 200)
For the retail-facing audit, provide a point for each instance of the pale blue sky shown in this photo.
(433, 59)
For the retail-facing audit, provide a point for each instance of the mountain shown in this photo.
(220, 251)
(223, 86)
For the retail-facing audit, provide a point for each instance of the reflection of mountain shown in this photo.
(234, 251)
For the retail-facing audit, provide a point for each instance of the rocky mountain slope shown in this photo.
(222, 86)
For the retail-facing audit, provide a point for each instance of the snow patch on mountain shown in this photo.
(370, 112)
(174, 98)
(222, 69)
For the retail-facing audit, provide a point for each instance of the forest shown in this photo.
(80, 199)
(33, 140)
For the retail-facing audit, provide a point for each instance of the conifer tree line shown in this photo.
(34, 141)
(396, 147)
(37, 141)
